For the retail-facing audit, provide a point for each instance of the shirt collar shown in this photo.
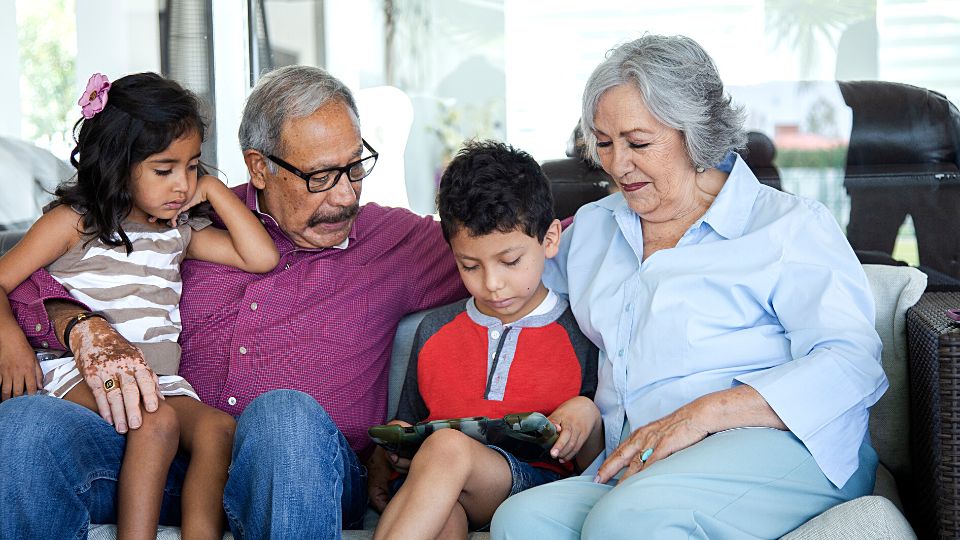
(730, 210)
(253, 203)
(535, 319)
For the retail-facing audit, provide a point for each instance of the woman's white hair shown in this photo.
(680, 86)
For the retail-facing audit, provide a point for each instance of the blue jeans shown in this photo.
(292, 471)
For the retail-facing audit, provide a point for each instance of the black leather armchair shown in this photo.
(904, 159)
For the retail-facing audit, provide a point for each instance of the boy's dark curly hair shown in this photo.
(143, 115)
(491, 186)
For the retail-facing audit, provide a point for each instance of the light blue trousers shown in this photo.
(744, 483)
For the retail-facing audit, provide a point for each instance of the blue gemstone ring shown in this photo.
(646, 455)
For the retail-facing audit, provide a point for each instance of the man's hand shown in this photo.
(575, 419)
(19, 370)
(102, 355)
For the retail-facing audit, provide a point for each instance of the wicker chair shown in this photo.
(933, 506)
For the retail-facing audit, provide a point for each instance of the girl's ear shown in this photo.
(551, 241)
(257, 167)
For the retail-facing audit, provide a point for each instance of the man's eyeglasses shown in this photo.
(325, 179)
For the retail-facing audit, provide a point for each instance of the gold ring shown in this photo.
(110, 384)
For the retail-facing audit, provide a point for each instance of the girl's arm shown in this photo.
(49, 238)
(244, 245)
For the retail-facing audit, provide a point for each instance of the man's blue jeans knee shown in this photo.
(293, 474)
(60, 466)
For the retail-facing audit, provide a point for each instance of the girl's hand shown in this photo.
(19, 370)
(104, 355)
(575, 419)
(200, 195)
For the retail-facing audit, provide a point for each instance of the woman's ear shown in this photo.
(257, 167)
(551, 241)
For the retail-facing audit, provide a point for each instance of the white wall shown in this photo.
(117, 37)
(10, 67)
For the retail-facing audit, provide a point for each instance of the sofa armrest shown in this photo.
(933, 495)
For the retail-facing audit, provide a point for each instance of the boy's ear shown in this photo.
(257, 167)
(551, 241)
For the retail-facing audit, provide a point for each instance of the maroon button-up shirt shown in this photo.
(322, 322)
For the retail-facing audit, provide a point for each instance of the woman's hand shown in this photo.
(104, 355)
(740, 406)
(665, 436)
(19, 370)
(575, 419)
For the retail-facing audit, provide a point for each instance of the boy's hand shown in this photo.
(19, 370)
(378, 479)
(575, 419)
(399, 464)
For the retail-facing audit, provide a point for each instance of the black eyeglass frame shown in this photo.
(308, 176)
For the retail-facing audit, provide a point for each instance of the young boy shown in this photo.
(513, 347)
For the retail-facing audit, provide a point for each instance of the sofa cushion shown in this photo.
(895, 289)
(869, 518)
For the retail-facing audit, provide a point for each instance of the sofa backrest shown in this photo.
(895, 289)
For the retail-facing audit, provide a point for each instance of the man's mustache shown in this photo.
(345, 213)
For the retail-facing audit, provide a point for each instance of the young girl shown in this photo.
(114, 237)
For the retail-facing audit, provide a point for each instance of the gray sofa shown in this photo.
(876, 517)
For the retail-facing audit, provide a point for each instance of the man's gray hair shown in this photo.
(286, 93)
(680, 86)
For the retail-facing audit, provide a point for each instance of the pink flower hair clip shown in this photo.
(94, 98)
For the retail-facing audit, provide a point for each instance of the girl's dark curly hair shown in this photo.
(143, 115)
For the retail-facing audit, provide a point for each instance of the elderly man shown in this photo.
(299, 355)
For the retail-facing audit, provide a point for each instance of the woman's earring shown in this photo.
(700, 169)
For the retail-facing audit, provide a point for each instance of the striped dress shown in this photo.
(139, 294)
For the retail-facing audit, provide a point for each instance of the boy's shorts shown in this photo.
(525, 475)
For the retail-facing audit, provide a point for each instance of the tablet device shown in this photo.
(528, 436)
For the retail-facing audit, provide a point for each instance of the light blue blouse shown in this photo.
(764, 289)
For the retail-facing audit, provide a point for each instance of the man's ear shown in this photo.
(257, 167)
(551, 241)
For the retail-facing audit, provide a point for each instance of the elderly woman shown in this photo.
(718, 304)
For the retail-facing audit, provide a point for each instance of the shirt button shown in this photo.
(620, 353)
(495, 334)
(253, 306)
(243, 350)
(39, 327)
(44, 344)
(231, 400)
